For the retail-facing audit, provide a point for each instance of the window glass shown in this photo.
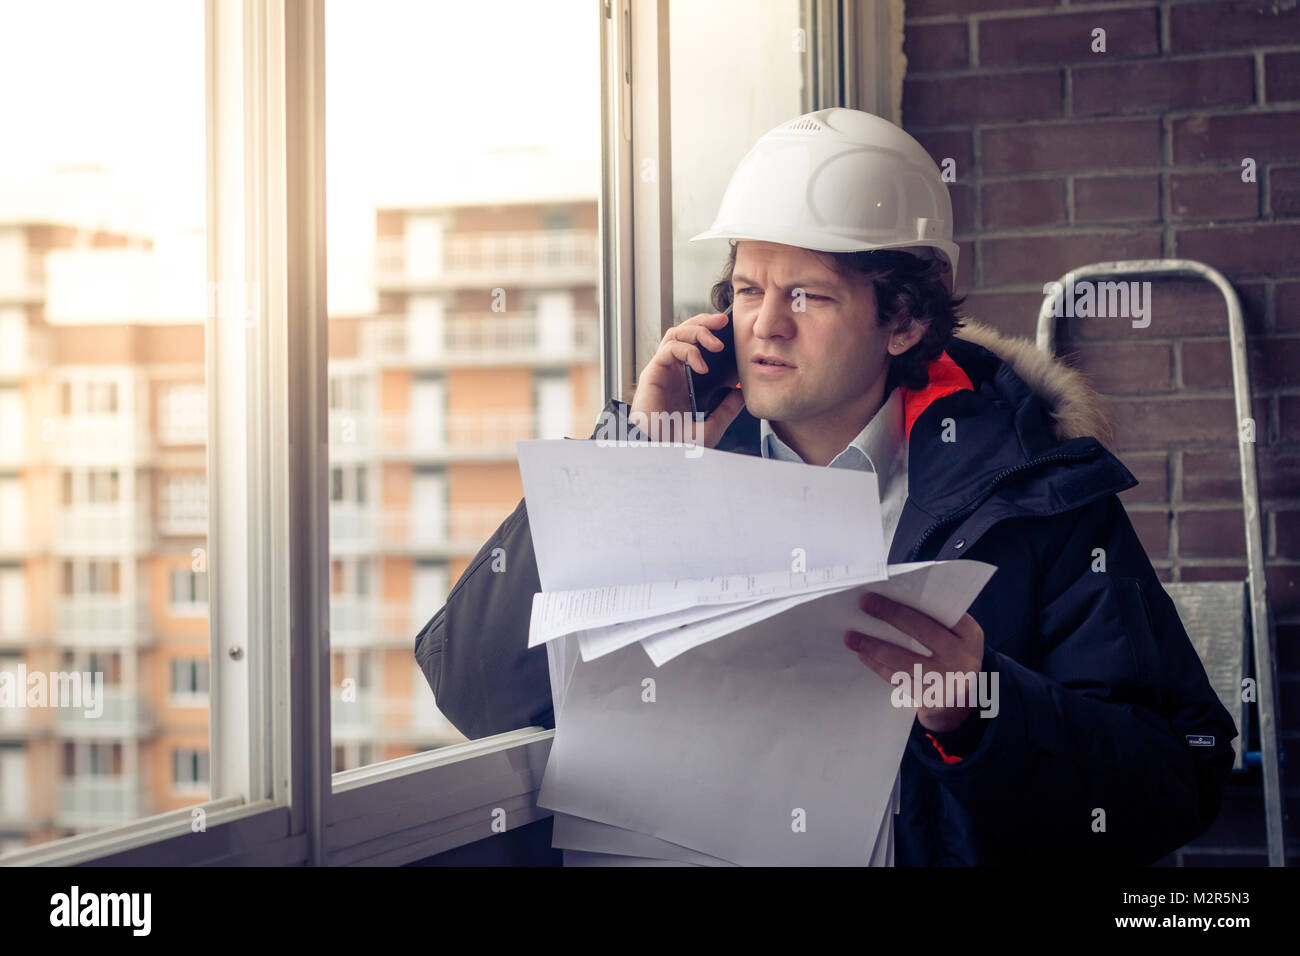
(102, 407)
(724, 96)
(463, 287)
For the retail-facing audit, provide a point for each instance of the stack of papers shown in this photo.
(693, 607)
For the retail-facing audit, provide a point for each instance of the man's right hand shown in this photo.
(662, 385)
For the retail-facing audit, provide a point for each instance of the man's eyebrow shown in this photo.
(797, 284)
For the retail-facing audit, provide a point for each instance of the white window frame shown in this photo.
(274, 801)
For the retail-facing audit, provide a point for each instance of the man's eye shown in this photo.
(747, 289)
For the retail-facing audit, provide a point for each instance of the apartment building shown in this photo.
(102, 534)
(485, 333)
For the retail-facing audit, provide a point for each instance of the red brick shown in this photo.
(1199, 27)
(1151, 469)
(1177, 421)
(1286, 307)
(1116, 198)
(963, 208)
(1283, 592)
(1288, 656)
(1011, 313)
(950, 144)
(1284, 190)
(1281, 77)
(983, 98)
(1100, 144)
(1052, 38)
(1218, 533)
(1274, 363)
(1216, 475)
(1164, 85)
(934, 8)
(935, 46)
(1264, 249)
(1133, 369)
(1264, 137)
(1288, 409)
(1152, 529)
(1220, 195)
(1286, 536)
(1184, 307)
(1023, 202)
(1037, 260)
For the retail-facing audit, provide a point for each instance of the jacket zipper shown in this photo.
(980, 499)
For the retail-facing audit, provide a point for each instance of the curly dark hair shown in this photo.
(908, 288)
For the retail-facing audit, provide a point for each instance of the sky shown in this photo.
(414, 90)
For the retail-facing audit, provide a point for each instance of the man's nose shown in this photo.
(775, 316)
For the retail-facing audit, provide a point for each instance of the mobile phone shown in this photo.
(710, 389)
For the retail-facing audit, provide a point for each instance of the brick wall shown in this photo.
(1064, 156)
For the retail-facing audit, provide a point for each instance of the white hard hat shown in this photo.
(839, 180)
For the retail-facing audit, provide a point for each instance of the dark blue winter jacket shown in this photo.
(1088, 758)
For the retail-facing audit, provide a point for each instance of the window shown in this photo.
(480, 317)
(189, 679)
(183, 414)
(184, 504)
(189, 592)
(189, 769)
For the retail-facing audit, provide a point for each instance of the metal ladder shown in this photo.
(1212, 611)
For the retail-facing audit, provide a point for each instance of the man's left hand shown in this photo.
(960, 650)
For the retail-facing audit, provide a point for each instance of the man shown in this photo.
(1108, 744)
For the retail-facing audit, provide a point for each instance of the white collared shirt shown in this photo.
(880, 447)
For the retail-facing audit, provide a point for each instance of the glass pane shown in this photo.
(463, 180)
(102, 414)
(724, 96)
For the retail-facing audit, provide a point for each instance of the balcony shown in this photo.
(26, 283)
(21, 723)
(101, 620)
(485, 339)
(556, 257)
(102, 529)
(123, 713)
(463, 533)
(27, 356)
(404, 718)
(91, 439)
(353, 620)
(90, 801)
(353, 528)
(356, 718)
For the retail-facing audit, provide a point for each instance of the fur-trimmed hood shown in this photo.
(1077, 410)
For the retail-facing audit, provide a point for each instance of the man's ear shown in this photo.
(907, 332)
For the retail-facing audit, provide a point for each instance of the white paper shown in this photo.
(555, 613)
(941, 589)
(604, 516)
(727, 759)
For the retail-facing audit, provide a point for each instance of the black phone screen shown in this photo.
(708, 391)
